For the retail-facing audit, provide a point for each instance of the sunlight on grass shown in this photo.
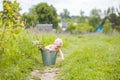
(86, 57)
(93, 58)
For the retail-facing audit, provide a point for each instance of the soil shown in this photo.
(46, 74)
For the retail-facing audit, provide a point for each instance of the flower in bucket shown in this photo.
(38, 44)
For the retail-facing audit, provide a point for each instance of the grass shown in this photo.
(93, 58)
(18, 59)
(20, 56)
(86, 57)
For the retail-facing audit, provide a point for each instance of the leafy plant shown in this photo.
(71, 27)
(10, 22)
(83, 28)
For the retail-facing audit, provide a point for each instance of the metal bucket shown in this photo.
(48, 58)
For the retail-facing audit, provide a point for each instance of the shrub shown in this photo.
(83, 28)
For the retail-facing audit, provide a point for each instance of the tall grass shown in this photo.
(92, 58)
(20, 56)
(86, 58)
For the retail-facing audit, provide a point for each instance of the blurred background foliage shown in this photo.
(18, 56)
(44, 13)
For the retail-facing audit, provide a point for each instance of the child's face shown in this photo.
(57, 47)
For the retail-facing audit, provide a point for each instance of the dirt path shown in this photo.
(46, 74)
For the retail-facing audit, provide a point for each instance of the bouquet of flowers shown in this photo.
(38, 44)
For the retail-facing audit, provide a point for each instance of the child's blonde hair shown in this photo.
(58, 42)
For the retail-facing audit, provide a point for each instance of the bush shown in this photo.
(18, 58)
(83, 28)
(107, 28)
(71, 27)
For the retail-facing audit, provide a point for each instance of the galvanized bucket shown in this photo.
(48, 57)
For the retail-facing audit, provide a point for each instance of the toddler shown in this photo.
(56, 46)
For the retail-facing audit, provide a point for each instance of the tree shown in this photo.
(10, 22)
(41, 13)
(114, 17)
(30, 20)
(95, 19)
(118, 19)
(65, 14)
(10, 15)
(81, 19)
(46, 14)
(71, 27)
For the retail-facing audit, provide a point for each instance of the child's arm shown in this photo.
(61, 54)
(49, 47)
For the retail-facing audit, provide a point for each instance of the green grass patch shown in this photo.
(92, 58)
(86, 57)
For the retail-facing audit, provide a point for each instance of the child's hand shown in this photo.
(50, 50)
